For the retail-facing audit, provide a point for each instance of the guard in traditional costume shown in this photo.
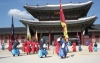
(95, 47)
(63, 48)
(28, 46)
(10, 45)
(36, 47)
(74, 47)
(42, 51)
(33, 46)
(57, 46)
(3, 47)
(79, 48)
(23, 46)
(15, 49)
(90, 47)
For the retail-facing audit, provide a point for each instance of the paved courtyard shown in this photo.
(76, 57)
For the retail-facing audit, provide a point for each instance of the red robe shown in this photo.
(57, 47)
(23, 47)
(10, 46)
(28, 48)
(74, 47)
(36, 47)
(90, 47)
(33, 47)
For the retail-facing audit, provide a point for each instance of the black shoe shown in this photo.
(62, 57)
(13, 55)
(27, 53)
(45, 55)
(41, 57)
(18, 54)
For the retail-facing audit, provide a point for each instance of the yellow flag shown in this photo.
(63, 23)
(28, 33)
(36, 36)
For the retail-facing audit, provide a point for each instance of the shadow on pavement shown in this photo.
(47, 56)
(72, 55)
(70, 52)
(5, 57)
(22, 55)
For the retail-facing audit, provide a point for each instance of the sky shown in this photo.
(15, 8)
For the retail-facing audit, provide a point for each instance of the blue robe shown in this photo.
(2, 46)
(80, 49)
(43, 52)
(15, 51)
(66, 48)
(63, 51)
(95, 49)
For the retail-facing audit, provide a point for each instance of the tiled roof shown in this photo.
(95, 28)
(56, 7)
(16, 30)
(57, 22)
(19, 30)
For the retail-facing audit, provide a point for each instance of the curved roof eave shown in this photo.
(58, 22)
(53, 7)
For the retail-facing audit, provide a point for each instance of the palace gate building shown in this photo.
(49, 26)
(49, 19)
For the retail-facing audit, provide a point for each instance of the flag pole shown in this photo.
(63, 23)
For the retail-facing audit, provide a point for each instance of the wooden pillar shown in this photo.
(0, 39)
(9, 37)
(49, 40)
(82, 42)
(17, 37)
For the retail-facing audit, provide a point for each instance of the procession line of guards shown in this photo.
(61, 47)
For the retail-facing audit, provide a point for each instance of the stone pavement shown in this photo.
(72, 57)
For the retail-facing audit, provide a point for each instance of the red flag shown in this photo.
(12, 30)
(63, 23)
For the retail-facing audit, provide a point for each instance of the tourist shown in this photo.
(15, 49)
(52, 43)
(95, 47)
(42, 51)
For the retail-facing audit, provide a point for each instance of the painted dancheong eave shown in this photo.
(56, 7)
(80, 20)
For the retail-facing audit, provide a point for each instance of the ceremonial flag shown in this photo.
(36, 36)
(63, 23)
(12, 30)
(28, 33)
